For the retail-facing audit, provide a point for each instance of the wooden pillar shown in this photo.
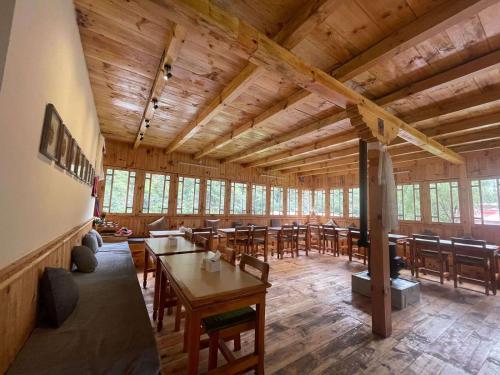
(379, 254)
(465, 199)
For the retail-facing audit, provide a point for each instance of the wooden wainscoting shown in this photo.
(19, 290)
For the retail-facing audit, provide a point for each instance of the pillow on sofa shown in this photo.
(90, 240)
(97, 236)
(59, 295)
(84, 259)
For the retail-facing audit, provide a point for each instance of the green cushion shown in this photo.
(228, 319)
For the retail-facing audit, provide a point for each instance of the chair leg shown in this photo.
(237, 343)
(441, 271)
(455, 274)
(213, 348)
(178, 313)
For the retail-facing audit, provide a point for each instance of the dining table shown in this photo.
(164, 246)
(204, 294)
(166, 233)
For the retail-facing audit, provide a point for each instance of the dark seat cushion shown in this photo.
(84, 259)
(228, 319)
(59, 295)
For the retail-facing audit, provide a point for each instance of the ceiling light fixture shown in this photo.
(155, 103)
(147, 123)
(167, 71)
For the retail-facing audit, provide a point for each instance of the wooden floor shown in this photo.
(315, 325)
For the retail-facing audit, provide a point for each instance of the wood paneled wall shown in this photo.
(19, 290)
(152, 159)
(479, 164)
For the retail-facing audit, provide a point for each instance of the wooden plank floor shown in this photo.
(315, 325)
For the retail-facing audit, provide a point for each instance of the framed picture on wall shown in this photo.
(76, 166)
(73, 155)
(52, 123)
(81, 167)
(87, 170)
(91, 175)
(64, 154)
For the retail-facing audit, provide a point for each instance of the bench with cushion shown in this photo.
(109, 332)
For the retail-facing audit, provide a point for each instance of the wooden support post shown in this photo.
(465, 194)
(379, 254)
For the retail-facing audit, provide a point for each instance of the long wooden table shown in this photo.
(165, 233)
(204, 294)
(156, 247)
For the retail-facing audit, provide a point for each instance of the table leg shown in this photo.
(163, 292)
(194, 342)
(146, 267)
(259, 334)
(156, 298)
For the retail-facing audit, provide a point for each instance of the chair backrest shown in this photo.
(235, 224)
(426, 242)
(315, 229)
(257, 264)
(287, 230)
(329, 230)
(469, 247)
(275, 222)
(259, 232)
(212, 223)
(228, 254)
(242, 233)
(160, 224)
(202, 236)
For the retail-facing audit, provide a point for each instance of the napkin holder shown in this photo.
(211, 262)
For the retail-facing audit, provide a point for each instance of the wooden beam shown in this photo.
(344, 154)
(329, 170)
(264, 52)
(174, 43)
(230, 92)
(432, 23)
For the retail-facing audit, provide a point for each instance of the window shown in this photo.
(119, 191)
(354, 202)
(485, 201)
(238, 198)
(258, 200)
(319, 202)
(276, 200)
(408, 197)
(188, 196)
(293, 202)
(306, 202)
(337, 202)
(156, 188)
(216, 192)
(444, 202)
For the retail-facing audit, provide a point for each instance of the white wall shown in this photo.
(6, 13)
(45, 63)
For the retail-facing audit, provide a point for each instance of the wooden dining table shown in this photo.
(156, 247)
(166, 233)
(204, 294)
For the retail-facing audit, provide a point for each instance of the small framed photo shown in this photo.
(76, 169)
(73, 156)
(64, 154)
(87, 171)
(81, 167)
(52, 123)
(91, 174)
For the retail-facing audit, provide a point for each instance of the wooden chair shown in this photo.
(330, 240)
(302, 239)
(287, 241)
(353, 250)
(473, 253)
(229, 326)
(241, 239)
(428, 247)
(259, 242)
(316, 240)
(203, 237)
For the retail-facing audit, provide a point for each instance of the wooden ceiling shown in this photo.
(434, 64)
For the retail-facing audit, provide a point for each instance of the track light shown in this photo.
(142, 138)
(155, 103)
(147, 123)
(167, 71)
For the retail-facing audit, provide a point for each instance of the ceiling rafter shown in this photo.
(173, 45)
(292, 33)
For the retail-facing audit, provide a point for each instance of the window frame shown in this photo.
(288, 201)
(415, 186)
(332, 202)
(315, 207)
(134, 177)
(167, 177)
(263, 191)
(179, 204)
(222, 196)
(311, 202)
(281, 191)
(480, 191)
(454, 184)
(350, 199)
(231, 198)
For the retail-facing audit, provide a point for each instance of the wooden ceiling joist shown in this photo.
(437, 20)
(292, 33)
(174, 43)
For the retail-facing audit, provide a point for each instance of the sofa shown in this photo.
(109, 332)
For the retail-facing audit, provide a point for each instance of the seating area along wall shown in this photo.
(19, 290)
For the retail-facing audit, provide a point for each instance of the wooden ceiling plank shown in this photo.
(174, 43)
(435, 21)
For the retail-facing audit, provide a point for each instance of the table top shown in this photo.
(447, 243)
(165, 233)
(164, 246)
(201, 287)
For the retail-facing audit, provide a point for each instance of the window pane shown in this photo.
(444, 202)
(408, 199)
(188, 193)
(238, 198)
(119, 191)
(337, 202)
(485, 199)
(354, 202)
(306, 202)
(293, 201)
(276, 200)
(156, 190)
(319, 202)
(216, 191)
(258, 200)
